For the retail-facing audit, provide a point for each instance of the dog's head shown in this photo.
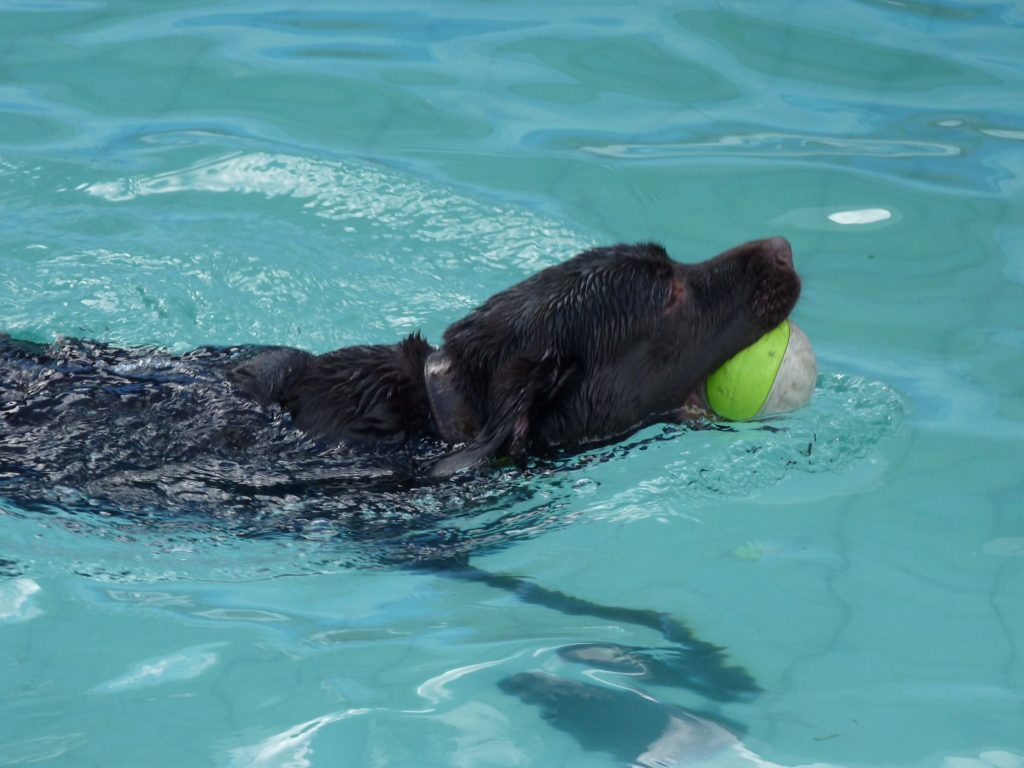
(612, 340)
(726, 303)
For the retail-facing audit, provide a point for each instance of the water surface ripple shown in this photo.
(838, 587)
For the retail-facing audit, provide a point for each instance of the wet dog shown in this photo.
(580, 354)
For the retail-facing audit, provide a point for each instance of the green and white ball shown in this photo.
(775, 374)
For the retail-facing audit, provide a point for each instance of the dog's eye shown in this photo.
(677, 294)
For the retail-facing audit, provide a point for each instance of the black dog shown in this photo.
(582, 353)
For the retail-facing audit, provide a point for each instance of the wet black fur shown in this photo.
(579, 354)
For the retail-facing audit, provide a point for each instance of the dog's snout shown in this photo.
(780, 252)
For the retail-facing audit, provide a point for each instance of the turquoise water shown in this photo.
(320, 175)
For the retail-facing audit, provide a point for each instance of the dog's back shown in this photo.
(78, 410)
(371, 395)
(84, 423)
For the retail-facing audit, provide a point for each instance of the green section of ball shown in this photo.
(738, 389)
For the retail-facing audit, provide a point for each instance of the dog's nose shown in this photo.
(780, 251)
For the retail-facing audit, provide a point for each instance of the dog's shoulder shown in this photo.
(359, 393)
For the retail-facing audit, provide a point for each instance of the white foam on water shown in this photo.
(184, 665)
(15, 600)
(291, 748)
(396, 206)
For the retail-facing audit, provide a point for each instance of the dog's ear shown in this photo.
(520, 388)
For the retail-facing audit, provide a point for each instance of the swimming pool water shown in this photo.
(318, 174)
